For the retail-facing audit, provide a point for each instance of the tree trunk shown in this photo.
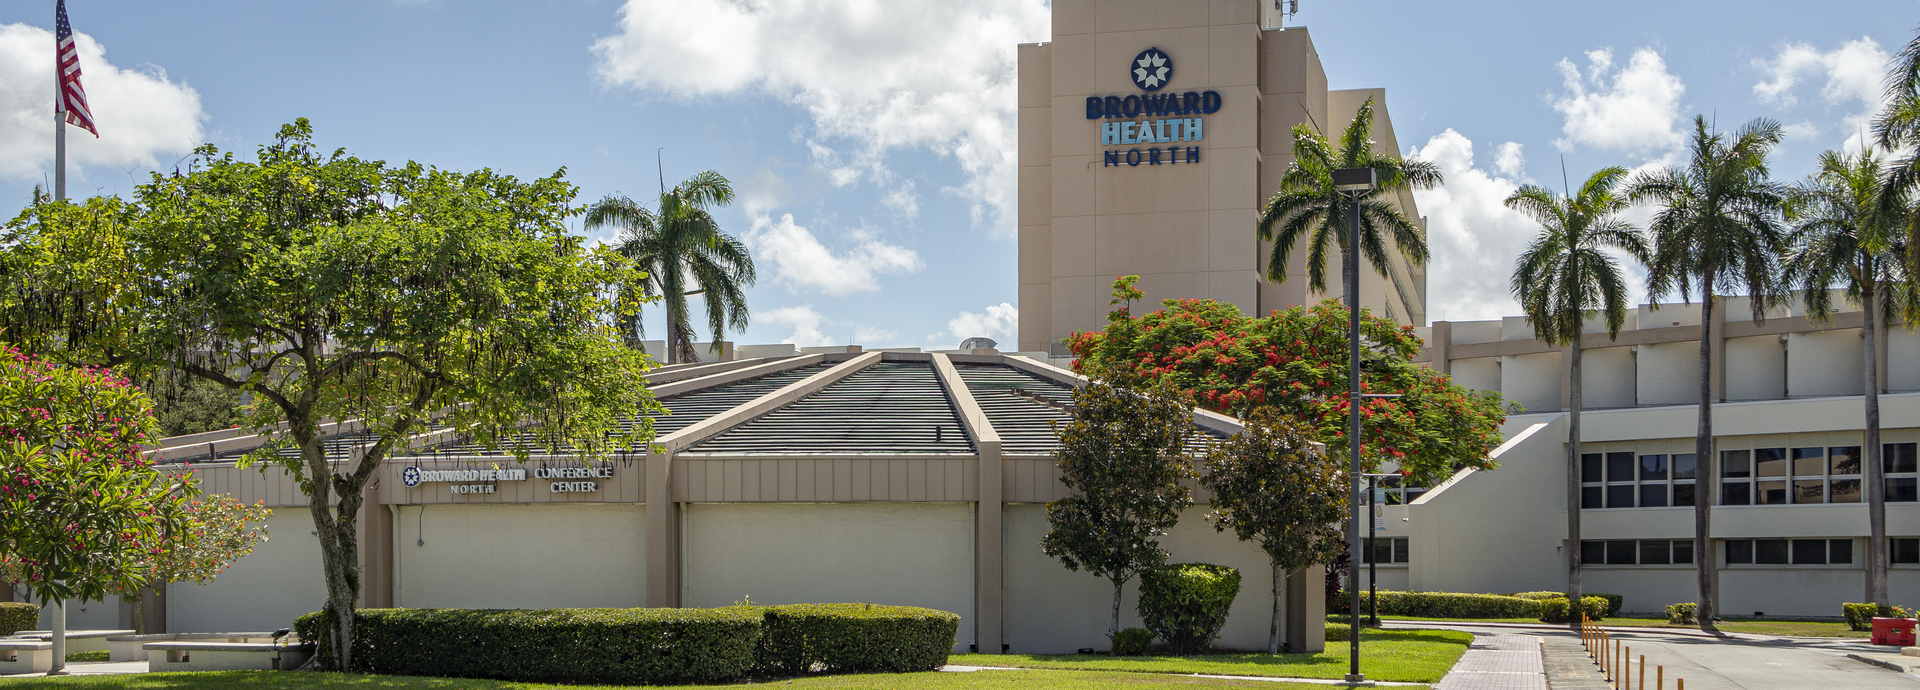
(139, 622)
(1273, 626)
(1875, 470)
(339, 545)
(1113, 628)
(1573, 479)
(673, 337)
(1703, 462)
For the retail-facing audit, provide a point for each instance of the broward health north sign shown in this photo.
(483, 480)
(1156, 126)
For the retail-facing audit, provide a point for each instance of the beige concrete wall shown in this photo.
(280, 581)
(907, 554)
(1756, 368)
(1648, 589)
(1903, 359)
(1465, 536)
(1482, 373)
(1825, 363)
(1053, 610)
(1790, 590)
(1606, 378)
(532, 556)
(1532, 380)
(1668, 373)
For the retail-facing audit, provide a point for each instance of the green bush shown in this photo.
(802, 638)
(1186, 604)
(600, 646)
(1682, 614)
(1337, 632)
(1132, 642)
(1613, 600)
(17, 616)
(1555, 610)
(1449, 605)
(1860, 616)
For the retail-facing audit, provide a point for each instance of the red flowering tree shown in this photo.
(1296, 361)
(220, 529)
(84, 513)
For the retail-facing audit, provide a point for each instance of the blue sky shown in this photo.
(871, 142)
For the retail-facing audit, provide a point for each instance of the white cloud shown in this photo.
(802, 263)
(878, 75)
(804, 321)
(904, 201)
(1474, 236)
(1634, 109)
(810, 328)
(1508, 161)
(999, 322)
(1852, 73)
(140, 113)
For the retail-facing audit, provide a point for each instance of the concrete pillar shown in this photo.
(1440, 349)
(376, 546)
(1306, 602)
(1718, 335)
(989, 540)
(663, 534)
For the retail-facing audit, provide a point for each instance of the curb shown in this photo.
(1613, 629)
(1882, 663)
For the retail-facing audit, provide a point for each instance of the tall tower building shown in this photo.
(1151, 134)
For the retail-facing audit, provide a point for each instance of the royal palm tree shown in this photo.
(1844, 237)
(1308, 209)
(685, 253)
(1564, 277)
(1897, 128)
(1718, 230)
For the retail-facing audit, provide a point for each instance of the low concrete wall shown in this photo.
(906, 554)
(533, 556)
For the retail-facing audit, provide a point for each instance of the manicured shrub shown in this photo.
(1860, 616)
(1682, 614)
(600, 646)
(1555, 610)
(17, 616)
(1132, 642)
(1338, 632)
(1445, 605)
(1613, 600)
(834, 638)
(1186, 604)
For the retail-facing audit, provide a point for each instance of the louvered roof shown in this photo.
(892, 407)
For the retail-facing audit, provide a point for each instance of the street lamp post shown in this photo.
(1374, 500)
(1353, 182)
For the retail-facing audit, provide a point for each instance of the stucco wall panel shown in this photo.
(1532, 380)
(1789, 591)
(533, 556)
(280, 581)
(879, 553)
(1756, 368)
(1669, 373)
(1481, 373)
(1825, 363)
(1903, 359)
(1644, 589)
(1606, 378)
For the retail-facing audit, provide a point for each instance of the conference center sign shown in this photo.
(483, 481)
(1157, 126)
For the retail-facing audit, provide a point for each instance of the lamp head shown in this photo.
(1355, 179)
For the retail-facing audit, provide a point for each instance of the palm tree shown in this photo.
(1843, 236)
(1308, 208)
(1718, 230)
(1897, 128)
(1564, 276)
(680, 246)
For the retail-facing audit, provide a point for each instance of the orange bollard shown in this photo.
(1643, 672)
(1659, 678)
(1681, 683)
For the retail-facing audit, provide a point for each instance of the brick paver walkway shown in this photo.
(1498, 662)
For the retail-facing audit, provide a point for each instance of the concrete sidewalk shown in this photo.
(1745, 662)
(1498, 662)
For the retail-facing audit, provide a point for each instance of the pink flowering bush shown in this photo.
(82, 513)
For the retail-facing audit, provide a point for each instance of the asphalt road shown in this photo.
(1746, 662)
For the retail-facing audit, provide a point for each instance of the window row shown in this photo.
(1385, 550)
(1760, 476)
(1637, 552)
(1904, 551)
(1789, 551)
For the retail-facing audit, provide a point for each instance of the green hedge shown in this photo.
(1613, 600)
(802, 638)
(1186, 604)
(1132, 642)
(610, 646)
(1555, 610)
(1682, 614)
(17, 616)
(1450, 605)
(643, 646)
(1337, 632)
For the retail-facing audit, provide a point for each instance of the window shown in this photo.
(1735, 469)
(1787, 552)
(1399, 494)
(1637, 552)
(1902, 481)
(1590, 497)
(1623, 479)
(1386, 550)
(1683, 472)
(1590, 468)
(1843, 460)
(1770, 462)
(1904, 551)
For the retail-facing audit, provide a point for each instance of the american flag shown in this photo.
(72, 99)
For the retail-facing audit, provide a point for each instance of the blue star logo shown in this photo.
(1152, 69)
(410, 476)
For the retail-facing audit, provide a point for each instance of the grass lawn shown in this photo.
(1758, 626)
(1420, 656)
(984, 680)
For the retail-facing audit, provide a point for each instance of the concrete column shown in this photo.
(1441, 348)
(663, 534)
(1566, 378)
(989, 533)
(1306, 602)
(376, 546)
(1880, 358)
